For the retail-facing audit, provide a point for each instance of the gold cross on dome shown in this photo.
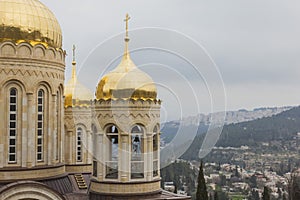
(126, 20)
(74, 48)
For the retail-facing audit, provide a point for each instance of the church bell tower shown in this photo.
(126, 133)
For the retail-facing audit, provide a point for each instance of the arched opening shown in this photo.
(112, 134)
(29, 190)
(137, 152)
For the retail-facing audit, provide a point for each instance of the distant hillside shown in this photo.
(232, 117)
(283, 126)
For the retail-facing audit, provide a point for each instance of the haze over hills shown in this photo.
(274, 134)
(202, 121)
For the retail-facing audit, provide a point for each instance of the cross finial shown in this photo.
(74, 48)
(126, 20)
(74, 65)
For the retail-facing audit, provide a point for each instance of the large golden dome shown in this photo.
(29, 21)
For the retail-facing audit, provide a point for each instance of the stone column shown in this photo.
(158, 153)
(99, 157)
(53, 146)
(24, 137)
(124, 157)
(61, 135)
(31, 152)
(3, 127)
(68, 147)
(149, 157)
(90, 147)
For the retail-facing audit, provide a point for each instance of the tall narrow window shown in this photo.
(40, 124)
(79, 145)
(12, 130)
(137, 156)
(113, 152)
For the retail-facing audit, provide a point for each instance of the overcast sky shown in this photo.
(255, 45)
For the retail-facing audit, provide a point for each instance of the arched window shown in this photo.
(137, 152)
(40, 124)
(155, 151)
(79, 133)
(112, 134)
(13, 125)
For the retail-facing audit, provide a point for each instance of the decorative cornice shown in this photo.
(126, 100)
(24, 50)
(30, 73)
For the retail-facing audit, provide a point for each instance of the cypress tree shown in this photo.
(201, 188)
(216, 197)
(266, 195)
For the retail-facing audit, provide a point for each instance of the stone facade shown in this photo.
(28, 70)
(78, 119)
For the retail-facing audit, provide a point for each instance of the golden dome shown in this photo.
(29, 21)
(75, 93)
(126, 81)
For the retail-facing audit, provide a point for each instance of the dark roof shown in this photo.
(62, 185)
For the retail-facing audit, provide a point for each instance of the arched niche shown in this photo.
(25, 190)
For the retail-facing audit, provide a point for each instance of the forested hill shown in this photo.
(169, 129)
(283, 126)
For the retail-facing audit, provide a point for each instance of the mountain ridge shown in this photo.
(202, 121)
(282, 127)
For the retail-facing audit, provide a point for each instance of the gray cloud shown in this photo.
(254, 43)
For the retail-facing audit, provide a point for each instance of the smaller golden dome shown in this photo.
(75, 93)
(126, 81)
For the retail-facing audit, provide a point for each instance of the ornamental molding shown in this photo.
(38, 52)
(8, 71)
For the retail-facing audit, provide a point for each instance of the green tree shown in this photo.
(252, 181)
(216, 197)
(266, 194)
(236, 171)
(222, 180)
(201, 188)
(254, 195)
(294, 186)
